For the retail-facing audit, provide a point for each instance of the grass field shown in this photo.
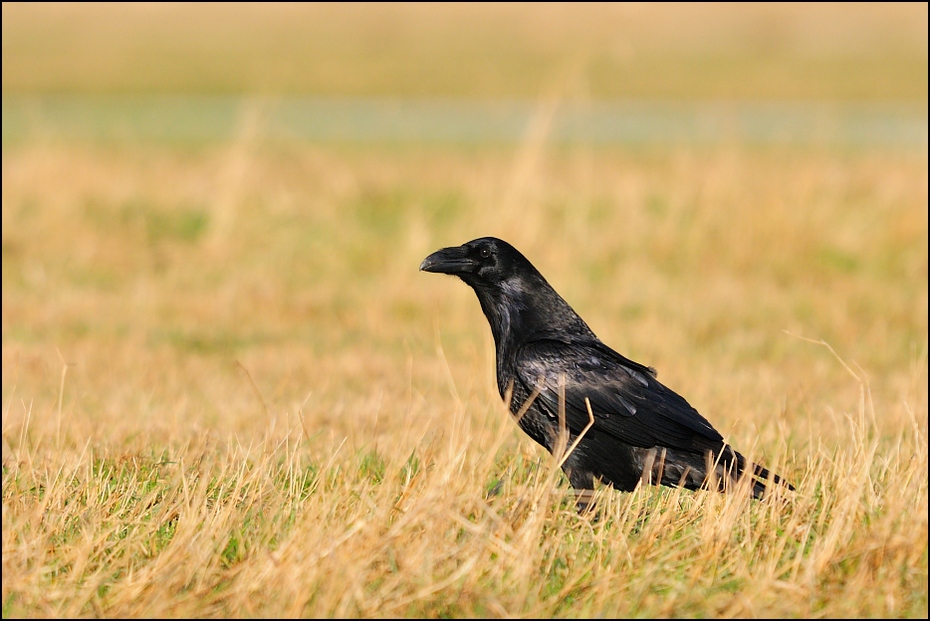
(227, 390)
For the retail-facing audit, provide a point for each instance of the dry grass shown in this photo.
(227, 391)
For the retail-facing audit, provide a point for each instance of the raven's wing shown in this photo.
(626, 399)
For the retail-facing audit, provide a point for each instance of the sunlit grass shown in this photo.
(227, 390)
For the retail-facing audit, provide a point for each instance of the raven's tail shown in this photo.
(718, 468)
(760, 476)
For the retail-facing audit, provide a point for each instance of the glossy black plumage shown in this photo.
(551, 365)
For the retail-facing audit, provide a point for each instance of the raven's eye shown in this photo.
(485, 253)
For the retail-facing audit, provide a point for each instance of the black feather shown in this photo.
(546, 353)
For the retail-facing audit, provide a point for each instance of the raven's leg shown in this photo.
(583, 482)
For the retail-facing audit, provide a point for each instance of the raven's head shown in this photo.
(514, 296)
(483, 262)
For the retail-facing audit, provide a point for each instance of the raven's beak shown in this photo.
(448, 261)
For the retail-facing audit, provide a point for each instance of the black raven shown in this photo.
(568, 389)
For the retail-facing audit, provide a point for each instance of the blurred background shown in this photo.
(185, 186)
(468, 73)
(212, 221)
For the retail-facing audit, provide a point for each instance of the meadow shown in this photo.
(227, 390)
